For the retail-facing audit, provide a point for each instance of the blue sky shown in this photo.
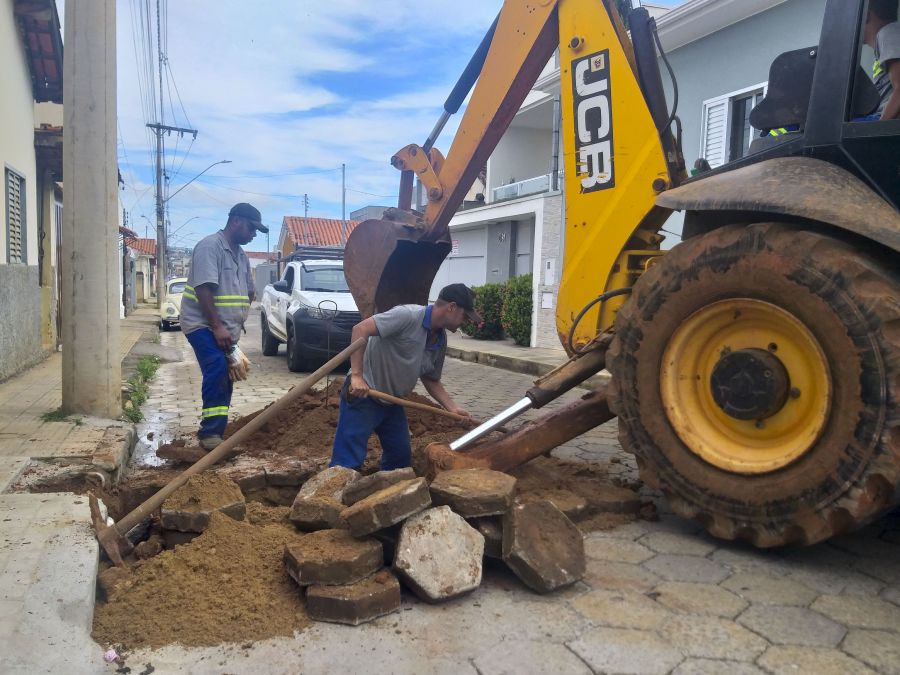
(287, 91)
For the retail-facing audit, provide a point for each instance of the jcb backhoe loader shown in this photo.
(756, 366)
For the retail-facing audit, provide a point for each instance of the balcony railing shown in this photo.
(522, 188)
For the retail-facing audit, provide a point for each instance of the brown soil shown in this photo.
(227, 585)
(204, 492)
(327, 545)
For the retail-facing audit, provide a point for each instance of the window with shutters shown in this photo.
(15, 217)
(726, 133)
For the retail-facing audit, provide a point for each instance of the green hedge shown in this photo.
(517, 308)
(489, 303)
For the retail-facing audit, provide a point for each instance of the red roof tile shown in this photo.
(144, 246)
(317, 231)
(260, 255)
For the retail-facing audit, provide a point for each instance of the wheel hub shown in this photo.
(750, 384)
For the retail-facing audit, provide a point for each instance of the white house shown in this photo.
(31, 158)
(720, 50)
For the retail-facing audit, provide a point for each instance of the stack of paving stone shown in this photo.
(433, 537)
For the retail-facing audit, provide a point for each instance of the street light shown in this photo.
(183, 224)
(221, 161)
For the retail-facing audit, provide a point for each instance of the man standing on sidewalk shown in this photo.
(214, 306)
(404, 344)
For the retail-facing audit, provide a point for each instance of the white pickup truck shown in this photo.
(310, 309)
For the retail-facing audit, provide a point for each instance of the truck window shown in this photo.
(289, 278)
(324, 279)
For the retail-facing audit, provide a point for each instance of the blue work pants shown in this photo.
(217, 386)
(357, 420)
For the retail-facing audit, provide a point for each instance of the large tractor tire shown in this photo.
(756, 377)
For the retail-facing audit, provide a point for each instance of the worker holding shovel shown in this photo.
(215, 305)
(404, 344)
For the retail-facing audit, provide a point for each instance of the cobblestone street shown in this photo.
(658, 597)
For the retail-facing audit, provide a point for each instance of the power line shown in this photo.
(273, 175)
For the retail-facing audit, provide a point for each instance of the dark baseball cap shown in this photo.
(463, 296)
(251, 213)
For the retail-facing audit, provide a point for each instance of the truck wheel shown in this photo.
(296, 362)
(269, 342)
(756, 376)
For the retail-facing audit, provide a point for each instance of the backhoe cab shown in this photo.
(756, 366)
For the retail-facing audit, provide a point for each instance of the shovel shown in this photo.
(112, 537)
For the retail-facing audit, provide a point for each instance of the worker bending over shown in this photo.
(214, 307)
(882, 33)
(404, 344)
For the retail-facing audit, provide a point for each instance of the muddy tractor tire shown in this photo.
(756, 378)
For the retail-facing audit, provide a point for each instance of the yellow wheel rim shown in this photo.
(745, 446)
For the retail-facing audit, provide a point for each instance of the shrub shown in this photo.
(488, 303)
(517, 308)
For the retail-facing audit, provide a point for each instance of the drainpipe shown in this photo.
(554, 162)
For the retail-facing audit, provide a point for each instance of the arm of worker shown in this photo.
(366, 328)
(205, 296)
(892, 109)
(436, 390)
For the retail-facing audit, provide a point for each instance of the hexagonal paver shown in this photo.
(318, 504)
(713, 638)
(758, 587)
(707, 599)
(678, 544)
(710, 667)
(356, 603)
(332, 557)
(539, 658)
(601, 547)
(859, 611)
(793, 626)
(626, 651)
(892, 594)
(631, 531)
(566, 501)
(616, 576)
(879, 649)
(621, 609)
(783, 660)
(387, 507)
(439, 554)
(687, 568)
(474, 492)
(886, 570)
(364, 486)
(542, 546)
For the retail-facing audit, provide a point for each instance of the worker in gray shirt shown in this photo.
(404, 344)
(215, 304)
(882, 33)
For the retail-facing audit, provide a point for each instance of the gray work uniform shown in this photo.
(399, 355)
(215, 261)
(887, 49)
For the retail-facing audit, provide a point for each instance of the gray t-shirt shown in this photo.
(215, 261)
(887, 49)
(399, 355)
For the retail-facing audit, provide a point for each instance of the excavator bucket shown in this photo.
(388, 263)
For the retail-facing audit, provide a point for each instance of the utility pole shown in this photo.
(305, 219)
(89, 274)
(343, 204)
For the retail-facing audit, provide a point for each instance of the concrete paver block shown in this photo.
(793, 626)
(439, 554)
(357, 603)
(375, 482)
(332, 557)
(318, 505)
(566, 501)
(859, 611)
(614, 499)
(542, 546)
(615, 576)
(188, 508)
(784, 660)
(761, 588)
(711, 667)
(687, 598)
(892, 594)
(677, 544)
(621, 609)
(534, 658)
(387, 507)
(491, 528)
(713, 638)
(613, 549)
(281, 472)
(626, 651)
(877, 648)
(687, 568)
(474, 492)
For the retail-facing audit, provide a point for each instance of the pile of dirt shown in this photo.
(227, 585)
(204, 492)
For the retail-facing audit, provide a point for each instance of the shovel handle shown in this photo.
(143, 511)
(387, 398)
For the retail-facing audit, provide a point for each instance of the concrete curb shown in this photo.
(518, 365)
